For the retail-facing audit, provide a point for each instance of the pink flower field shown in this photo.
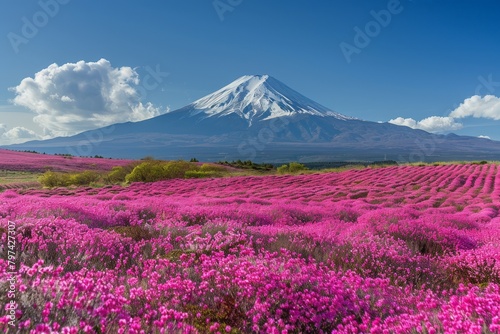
(388, 250)
(36, 162)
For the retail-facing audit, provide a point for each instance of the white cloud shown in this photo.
(75, 97)
(18, 134)
(484, 137)
(429, 124)
(479, 107)
(475, 106)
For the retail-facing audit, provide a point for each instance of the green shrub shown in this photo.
(293, 167)
(283, 169)
(116, 175)
(212, 168)
(84, 178)
(119, 173)
(52, 179)
(198, 174)
(151, 171)
(178, 169)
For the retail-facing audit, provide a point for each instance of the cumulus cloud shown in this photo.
(479, 107)
(75, 97)
(475, 106)
(484, 137)
(18, 134)
(429, 124)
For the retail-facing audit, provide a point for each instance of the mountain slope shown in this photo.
(262, 119)
(258, 98)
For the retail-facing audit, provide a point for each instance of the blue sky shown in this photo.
(427, 64)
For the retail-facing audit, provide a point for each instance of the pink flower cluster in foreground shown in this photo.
(390, 250)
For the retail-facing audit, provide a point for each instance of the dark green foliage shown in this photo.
(248, 165)
(338, 164)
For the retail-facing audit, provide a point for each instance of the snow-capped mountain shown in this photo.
(259, 97)
(261, 119)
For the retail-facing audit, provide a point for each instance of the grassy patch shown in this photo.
(9, 177)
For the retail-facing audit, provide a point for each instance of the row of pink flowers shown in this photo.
(395, 250)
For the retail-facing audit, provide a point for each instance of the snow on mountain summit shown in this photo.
(259, 97)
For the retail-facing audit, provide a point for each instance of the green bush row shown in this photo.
(151, 171)
(293, 167)
(146, 171)
(54, 179)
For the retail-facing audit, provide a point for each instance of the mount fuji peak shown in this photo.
(258, 97)
(259, 118)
